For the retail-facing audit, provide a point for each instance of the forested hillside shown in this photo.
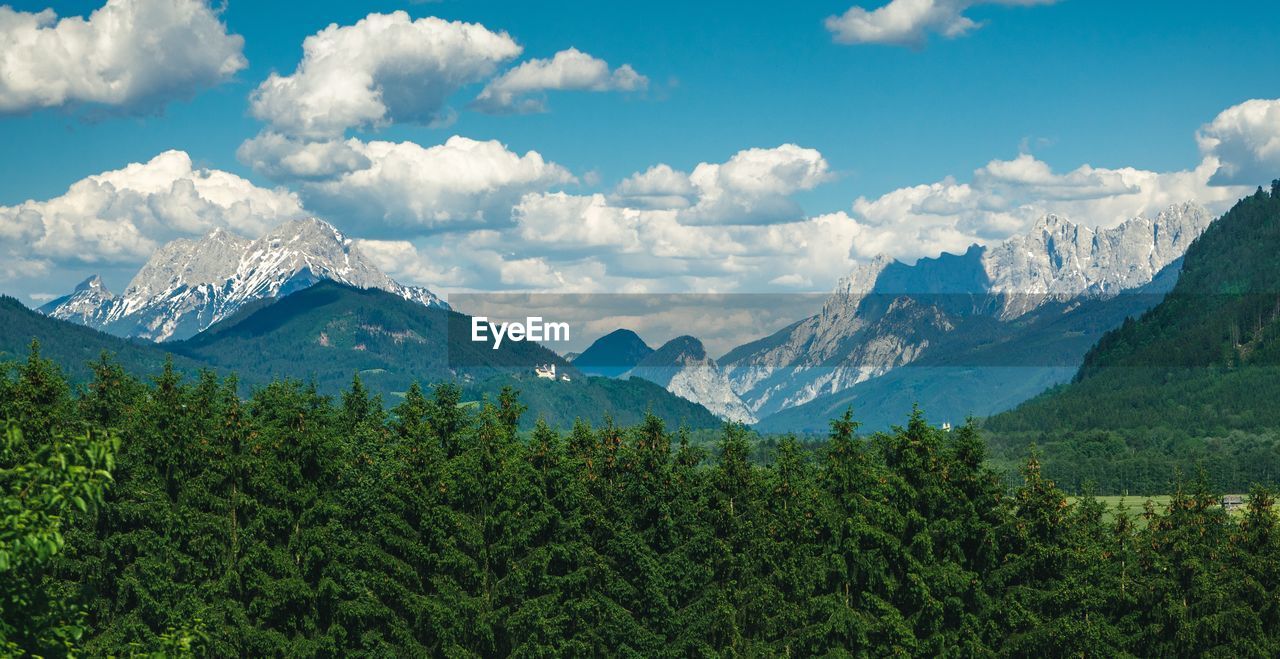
(1194, 380)
(296, 524)
(74, 346)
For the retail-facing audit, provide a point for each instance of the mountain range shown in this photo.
(887, 314)
(188, 285)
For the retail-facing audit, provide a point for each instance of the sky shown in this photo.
(709, 147)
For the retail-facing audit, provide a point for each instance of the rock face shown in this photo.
(682, 366)
(612, 354)
(886, 313)
(188, 285)
(1059, 259)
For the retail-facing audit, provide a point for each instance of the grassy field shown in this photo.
(1133, 505)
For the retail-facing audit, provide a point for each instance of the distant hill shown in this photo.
(612, 354)
(329, 332)
(594, 399)
(73, 346)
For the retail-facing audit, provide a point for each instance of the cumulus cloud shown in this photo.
(755, 185)
(910, 22)
(461, 184)
(660, 229)
(401, 259)
(121, 216)
(583, 243)
(282, 157)
(132, 55)
(1005, 197)
(386, 68)
(1245, 140)
(658, 187)
(519, 90)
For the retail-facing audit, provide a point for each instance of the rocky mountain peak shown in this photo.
(93, 283)
(682, 349)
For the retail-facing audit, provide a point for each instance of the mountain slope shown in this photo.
(329, 331)
(682, 366)
(188, 285)
(1202, 362)
(612, 354)
(74, 346)
(887, 314)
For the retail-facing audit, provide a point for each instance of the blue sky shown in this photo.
(1072, 83)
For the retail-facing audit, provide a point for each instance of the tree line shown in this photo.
(175, 517)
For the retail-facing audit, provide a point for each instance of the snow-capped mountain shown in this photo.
(682, 366)
(886, 313)
(188, 285)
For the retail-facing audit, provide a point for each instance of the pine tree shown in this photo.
(1193, 604)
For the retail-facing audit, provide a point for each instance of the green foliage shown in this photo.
(41, 487)
(296, 524)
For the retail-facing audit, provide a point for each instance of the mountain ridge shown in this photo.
(327, 332)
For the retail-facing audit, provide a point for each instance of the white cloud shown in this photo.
(658, 187)
(755, 185)
(284, 158)
(626, 242)
(569, 69)
(385, 68)
(120, 216)
(1245, 139)
(590, 244)
(910, 22)
(401, 259)
(461, 184)
(133, 55)
(611, 243)
(575, 221)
